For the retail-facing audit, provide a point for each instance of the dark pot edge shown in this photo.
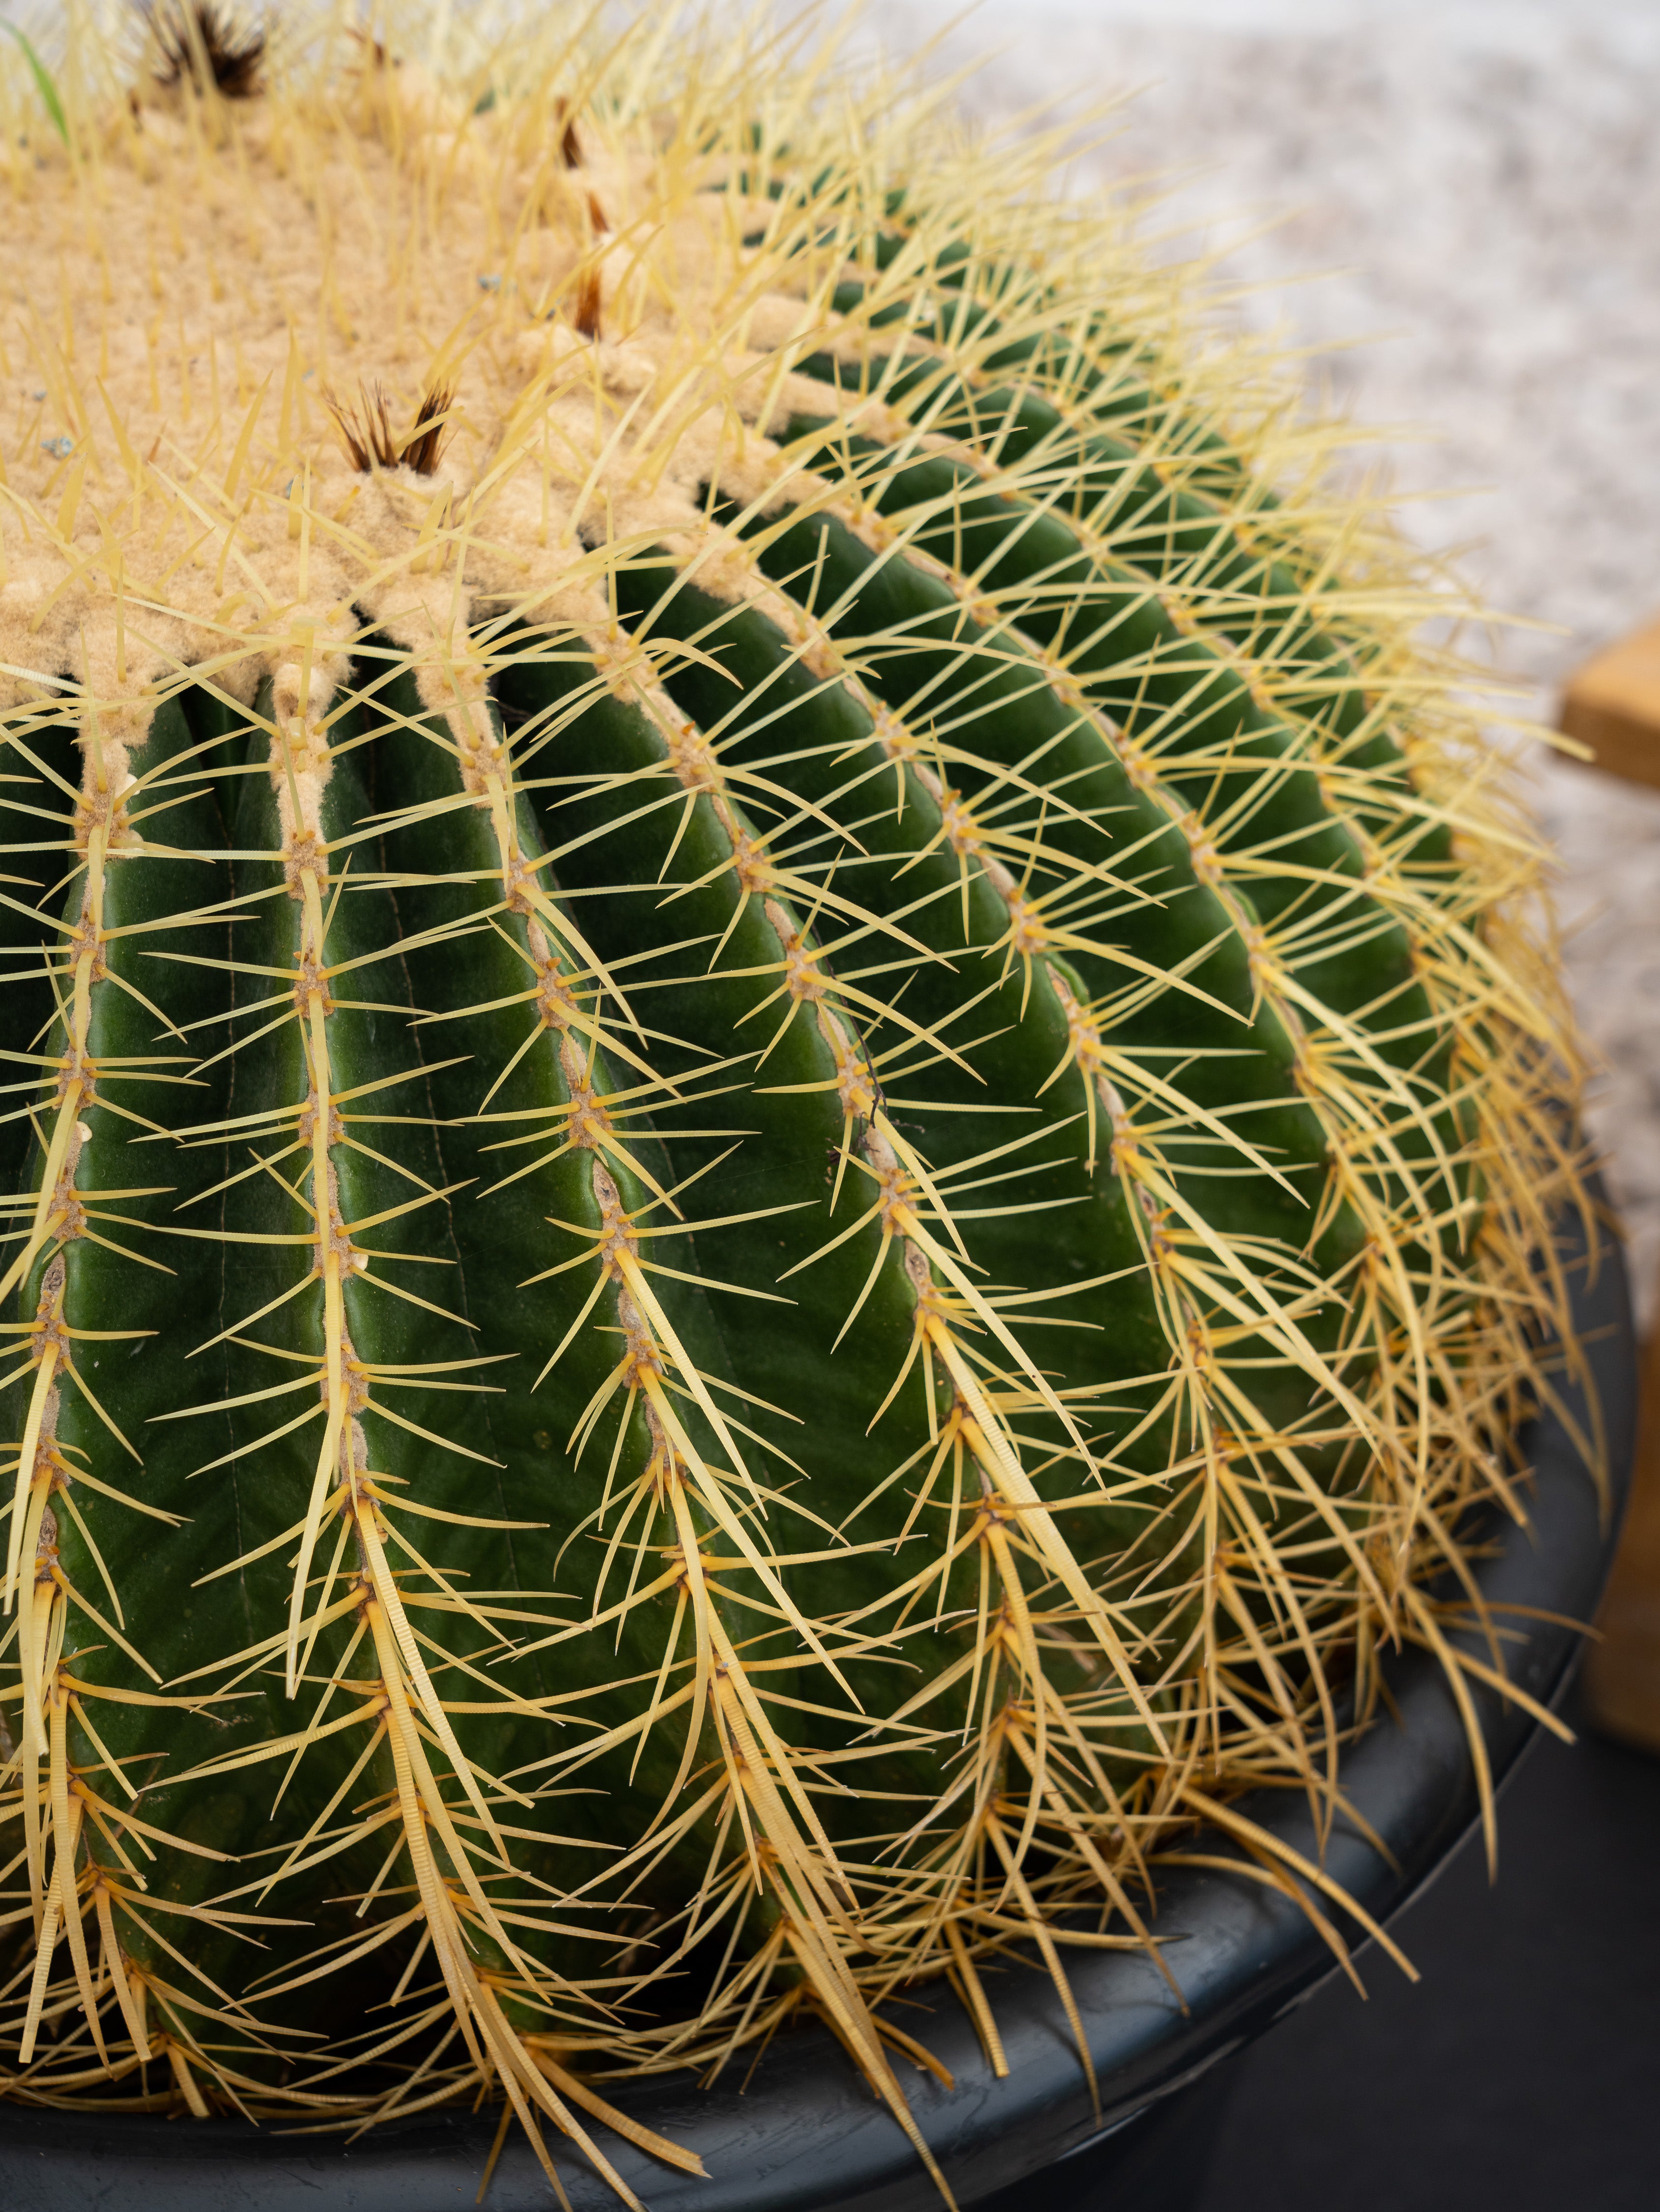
(806, 2136)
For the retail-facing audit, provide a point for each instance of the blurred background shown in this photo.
(1450, 208)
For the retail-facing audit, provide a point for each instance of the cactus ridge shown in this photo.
(783, 1104)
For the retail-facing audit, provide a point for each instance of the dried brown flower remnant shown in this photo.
(367, 441)
(422, 448)
(368, 436)
(205, 38)
(586, 315)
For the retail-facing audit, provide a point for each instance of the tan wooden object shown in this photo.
(1613, 705)
(1622, 1671)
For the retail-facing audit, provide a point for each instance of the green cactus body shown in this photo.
(779, 1118)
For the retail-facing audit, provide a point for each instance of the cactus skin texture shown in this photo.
(780, 1117)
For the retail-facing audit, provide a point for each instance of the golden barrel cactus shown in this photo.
(778, 1113)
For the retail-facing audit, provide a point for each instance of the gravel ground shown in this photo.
(1455, 211)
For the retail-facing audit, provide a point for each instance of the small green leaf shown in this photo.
(43, 85)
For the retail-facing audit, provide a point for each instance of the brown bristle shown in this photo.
(425, 443)
(586, 317)
(570, 146)
(368, 441)
(597, 215)
(368, 436)
(205, 34)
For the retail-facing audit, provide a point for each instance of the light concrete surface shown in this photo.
(1462, 204)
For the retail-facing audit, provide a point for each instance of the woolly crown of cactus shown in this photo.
(780, 1110)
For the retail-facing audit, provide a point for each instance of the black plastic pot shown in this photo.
(806, 2136)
